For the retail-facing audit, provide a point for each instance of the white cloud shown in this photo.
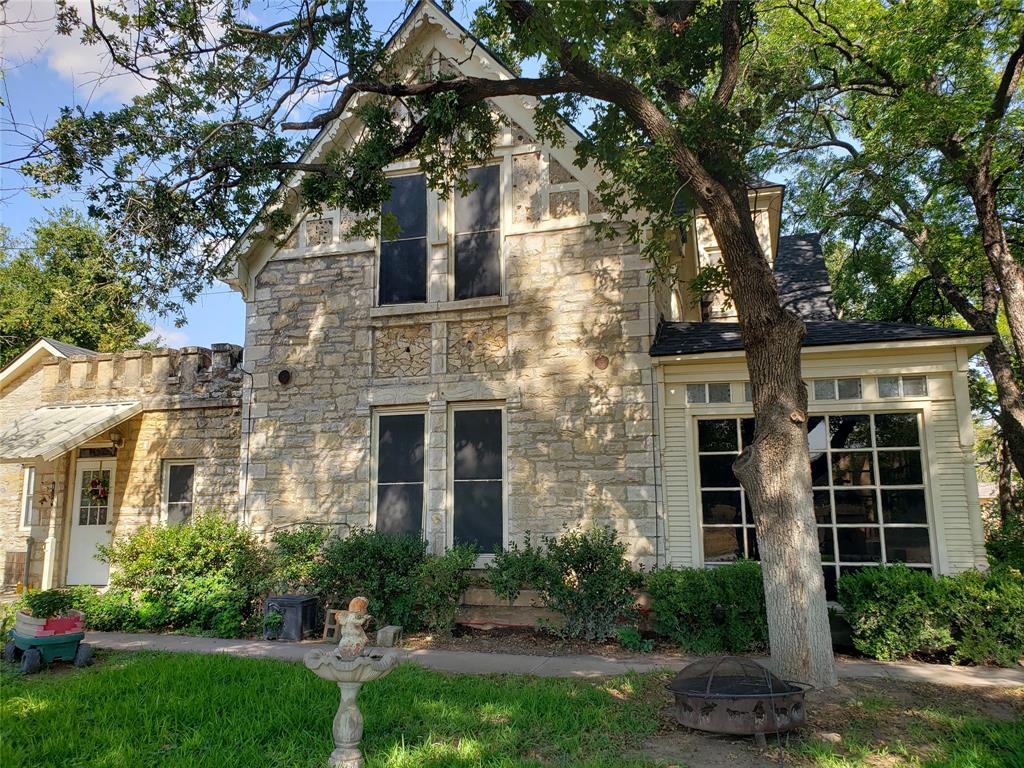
(166, 337)
(29, 37)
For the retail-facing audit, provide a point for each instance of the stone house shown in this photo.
(497, 369)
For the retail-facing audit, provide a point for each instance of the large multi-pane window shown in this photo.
(402, 275)
(478, 236)
(400, 451)
(478, 463)
(869, 495)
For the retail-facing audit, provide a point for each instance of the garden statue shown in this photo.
(349, 665)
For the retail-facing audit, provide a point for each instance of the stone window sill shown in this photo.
(430, 307)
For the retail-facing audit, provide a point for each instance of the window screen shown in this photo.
(29, 512)
(477, 475)
(180, 479)
(478, 235)
(403, 261)
(400, 473)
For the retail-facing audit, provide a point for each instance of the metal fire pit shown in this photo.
(729, 694)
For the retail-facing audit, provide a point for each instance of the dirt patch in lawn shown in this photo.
(529, 642)
(872, 723)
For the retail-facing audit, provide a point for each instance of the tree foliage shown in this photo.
(66, 282)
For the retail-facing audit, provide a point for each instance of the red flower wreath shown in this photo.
(98, 491)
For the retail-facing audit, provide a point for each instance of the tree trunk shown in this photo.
(1005, 486)
(1008, 273)
(1011, 400)
(775, 470)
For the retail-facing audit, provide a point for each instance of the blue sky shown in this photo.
(42, 72)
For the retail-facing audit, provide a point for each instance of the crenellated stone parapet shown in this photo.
(162, 378)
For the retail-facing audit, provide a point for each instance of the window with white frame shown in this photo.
(29, 508)
(708, 393)
(402, 266)
(478, 477)
(869, 492)
(902, 386)
(400, 473)
(477, 235)
(837, 389)
(178, 486)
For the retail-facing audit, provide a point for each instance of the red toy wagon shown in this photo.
(37, 641)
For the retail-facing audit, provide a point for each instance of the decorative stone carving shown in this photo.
(402, 350)
(526, 188)
(519, 134)
(478, 346)
(558, 173)
(561, 204)
(319, 232)
(594, 203)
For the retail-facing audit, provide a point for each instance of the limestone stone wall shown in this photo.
(563, 350)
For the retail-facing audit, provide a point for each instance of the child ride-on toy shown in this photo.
(36, 641)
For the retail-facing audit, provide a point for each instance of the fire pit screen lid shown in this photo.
(728, 677)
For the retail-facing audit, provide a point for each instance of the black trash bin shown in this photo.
(298, 613)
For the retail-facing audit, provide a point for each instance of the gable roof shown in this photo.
(677, 339)
(803, 281)
(40, 348)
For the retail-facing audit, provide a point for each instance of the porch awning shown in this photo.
(49, 432)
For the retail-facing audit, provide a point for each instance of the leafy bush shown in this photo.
(897, 612)
(442, 580)
(631, 639)
(207, 576)
(293, 555)
(588, 581)
(1005, 544)
(55, 602)
(515, 568)
(711, 610)
(985, 613)
(383, 567)
(893, 612)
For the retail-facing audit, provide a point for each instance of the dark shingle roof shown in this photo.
(803, 280)
(700, 338)
(68, 350)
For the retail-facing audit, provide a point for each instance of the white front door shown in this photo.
(92, 519)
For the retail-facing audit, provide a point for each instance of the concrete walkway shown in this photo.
(468, 662)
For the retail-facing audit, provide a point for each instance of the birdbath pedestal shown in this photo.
(349, 665)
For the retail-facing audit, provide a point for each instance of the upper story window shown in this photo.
(403, 261)
(902, 386)
(477, 243)
(837, 389)
(179, 479)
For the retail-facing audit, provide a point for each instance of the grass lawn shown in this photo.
(151, 709)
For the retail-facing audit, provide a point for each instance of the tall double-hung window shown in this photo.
(474, 247)
(477, 241)
(400, 472)
(402, 275)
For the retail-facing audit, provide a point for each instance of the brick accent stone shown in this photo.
(478, 346)
(402, 350)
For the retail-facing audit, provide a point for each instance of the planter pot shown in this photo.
(299, 614)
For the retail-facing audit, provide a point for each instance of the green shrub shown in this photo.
(515, 568)
(207, 576)
(385, 568)
(588, 581)
(54, 602)
(711, 610)
(1005, 544)
(985, 614)
(293, 555)
(631, 639)
(893, 612)
(112, 611)
(442, 580)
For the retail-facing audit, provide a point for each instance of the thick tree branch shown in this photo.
(732, 39)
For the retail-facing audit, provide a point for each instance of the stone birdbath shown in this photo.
(349, 665)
